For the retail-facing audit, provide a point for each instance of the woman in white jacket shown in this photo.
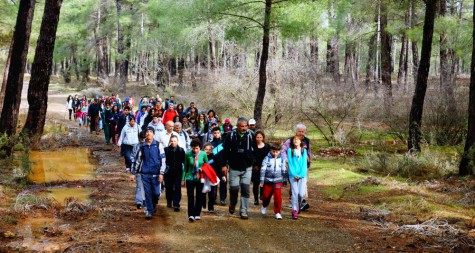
(129, 137)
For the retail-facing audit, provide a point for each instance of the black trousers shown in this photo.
(195, 197)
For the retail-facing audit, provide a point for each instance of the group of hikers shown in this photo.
(166, 146)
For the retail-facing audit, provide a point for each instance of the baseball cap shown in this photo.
(252, 122)
(126, 99)
(151, 129)
(227, 120)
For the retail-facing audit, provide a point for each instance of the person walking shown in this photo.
(261, 150)
(273, 176)
(297, 159)
(238, 153)
(70, 105)
(175, 159)
(152, 167)
(129, 137)
(194, 160)
(93, 113)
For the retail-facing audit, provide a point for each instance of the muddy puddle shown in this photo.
(61, 193)
(69, 164)
(34, 231)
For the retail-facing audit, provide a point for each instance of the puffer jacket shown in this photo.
(273, 170)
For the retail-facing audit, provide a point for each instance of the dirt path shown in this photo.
(116, 225)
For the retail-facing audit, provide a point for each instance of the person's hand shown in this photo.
(255, 168)
(160, 178)
(261, 185)
(297, 177)
(284, 183)
(183, 183)
(224, 179)
(132, 178)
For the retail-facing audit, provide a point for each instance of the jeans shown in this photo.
(151, 187)
(139, 191)
(173, 189)
(240, 179)
(194, 205)
(126, 150)
(299, 188)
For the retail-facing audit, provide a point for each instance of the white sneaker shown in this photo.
(263, 210)
(191, 218)
(278, 216)
(197, 218)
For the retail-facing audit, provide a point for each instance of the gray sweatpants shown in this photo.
(240, 179)
(299, 190)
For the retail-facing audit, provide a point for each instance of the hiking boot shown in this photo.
(139, 206)
(263, 210)
(191, 218)
(256, 202)
(232, 209)
(244, 216)
(295, 215)
(278, 216)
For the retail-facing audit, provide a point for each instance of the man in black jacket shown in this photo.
(175, 158)
(93, 115)
(238, 153)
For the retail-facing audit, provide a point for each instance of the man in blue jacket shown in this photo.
(150, 163)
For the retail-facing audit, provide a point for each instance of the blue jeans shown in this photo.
(151, 187)
(126, 150)
(139, 191)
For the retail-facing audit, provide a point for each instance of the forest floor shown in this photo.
(109, 221)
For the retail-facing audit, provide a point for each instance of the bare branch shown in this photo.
(240, 16)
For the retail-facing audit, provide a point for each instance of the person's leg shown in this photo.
(233, 189)
(212, 198)
(70, 112)
(127, 155)
(302, 187)
(266, 194)
(155, 192)
(223, 191)
(96, 124)
(277, 187)
(190, 193)
(295, 205)
(255, 186)
(245, 189)
(107, 133)
(169, 189)
(177, 191)
(199, 199)
(147, 185)
(139, 190)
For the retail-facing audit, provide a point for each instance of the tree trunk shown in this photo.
(386, 58)
(415, 116)
(371, 61)
(402, 60)
(261, 92)
(5, 76)
(102, 78)
(468, 159)
(122, 58)
(172, 67)
(212, 47)
(313, 52)
(415, 51)
(41, 71)
(14, 85)
(445, 70)
(181, 72)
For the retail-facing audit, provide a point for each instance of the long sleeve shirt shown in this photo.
(191, 167)
(129, 135)
(297, 163)
(307, 147)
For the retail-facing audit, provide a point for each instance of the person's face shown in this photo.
(132, 122)
(242, 127)
(195, 150)
(108, 106)
(144, 108)
(202, 117)
(170, 127)
(211, 115)
(185, 120)
(126, 111)
(275, 153)
(252, 126)
(149, 134)
(300, 132)
(208, 149)
(174, 142)
(259, 138)
(192, 105)
(155, 120)
(297, 142)
(177, 129)
(170, 107)
(217, 134)
(172, 98)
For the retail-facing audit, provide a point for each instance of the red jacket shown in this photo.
(168, 115)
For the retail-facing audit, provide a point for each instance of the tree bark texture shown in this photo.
(261, 92)
(41, 71)
(415, 116)
(21, 38)
(5, 76)
(122, 61)
(386, 58)
(468, 160)
(445, 68)
(212, 47)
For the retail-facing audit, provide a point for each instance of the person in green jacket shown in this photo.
(194, 160)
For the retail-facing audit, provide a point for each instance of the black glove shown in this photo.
(284, 183)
